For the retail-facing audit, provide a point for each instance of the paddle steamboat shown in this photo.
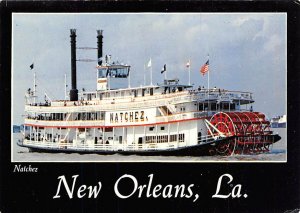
(164, 119)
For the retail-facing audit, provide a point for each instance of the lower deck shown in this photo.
(126, 138)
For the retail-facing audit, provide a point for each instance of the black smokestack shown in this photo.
(73, 91)
(99, 45)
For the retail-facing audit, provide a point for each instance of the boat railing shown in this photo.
(112, 146)
(221, 95)
(103, 147)
(110, 106)
(155, 100)
(54, 123)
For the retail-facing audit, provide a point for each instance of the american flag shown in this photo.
(204, 68)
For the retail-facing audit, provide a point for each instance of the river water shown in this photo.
(21, 154)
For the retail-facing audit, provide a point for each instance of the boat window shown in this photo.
(102, 73)
(119, 72)
(151, 91)
(89, 97)
(165, 90)
(200, 107)
(151, 128)
(181, 137)
(140, 141)
(225, 106)
(205, 106)
(143, 92)
(199, 135)
(213, 106)
(173, 138)
(162, 128)
(108, 129)
(232, 106)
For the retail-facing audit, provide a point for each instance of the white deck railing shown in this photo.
(139, 102)
(102, 147)
(97, 123)
(53, 123)
(114, 146)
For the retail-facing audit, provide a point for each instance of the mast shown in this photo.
(129, 81)
(208, 83)
(144, 74)
(189, 62)
(66, 96)
(150, 71)
(34, 87)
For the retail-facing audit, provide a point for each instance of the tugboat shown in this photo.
(164, 119)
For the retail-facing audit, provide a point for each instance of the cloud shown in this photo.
(272, 44)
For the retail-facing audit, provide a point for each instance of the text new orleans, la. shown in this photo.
(225, 189)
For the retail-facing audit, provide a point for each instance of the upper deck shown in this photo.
(143, 97)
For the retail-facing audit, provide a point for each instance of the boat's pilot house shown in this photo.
(110, 70)
(171, 86)
(113, 71)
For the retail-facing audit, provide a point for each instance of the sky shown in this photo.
(247, 52)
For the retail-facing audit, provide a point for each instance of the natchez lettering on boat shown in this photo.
(128, 117)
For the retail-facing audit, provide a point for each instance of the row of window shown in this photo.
(135, 93)
(164, 138)
(215, 106)
(152, 128)
(67, 116)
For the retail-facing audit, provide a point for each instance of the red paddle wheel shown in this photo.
(250, 132)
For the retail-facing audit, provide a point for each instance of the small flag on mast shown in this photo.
(204, 68)
(31, 66)
(163, 69)
(149, 63)
(188, 64)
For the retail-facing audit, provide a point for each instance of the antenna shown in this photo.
(66, 95)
